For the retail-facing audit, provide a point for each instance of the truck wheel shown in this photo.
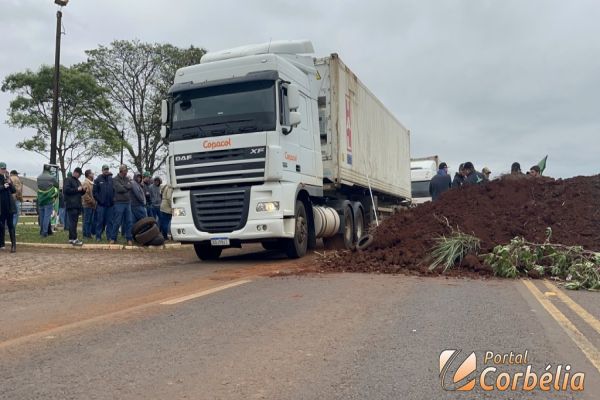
(359, 225)
(146, 236)
(348, 233)
(143, 225)
(296, 247)
(206, 252)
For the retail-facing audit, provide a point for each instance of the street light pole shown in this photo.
(54, 129)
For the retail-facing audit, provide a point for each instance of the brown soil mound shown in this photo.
(495, 212)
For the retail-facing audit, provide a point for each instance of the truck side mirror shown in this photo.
(164, 132)
(293, 94)
(295, 118)
(164, 112)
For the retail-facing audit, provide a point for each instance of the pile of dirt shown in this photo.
(494, 212)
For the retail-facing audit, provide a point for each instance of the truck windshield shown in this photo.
(420, 189)
(224, 110)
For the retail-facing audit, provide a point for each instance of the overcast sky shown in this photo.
(490, 82)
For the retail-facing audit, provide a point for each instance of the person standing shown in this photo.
(166, 210)
(440, 183)
(122, 208)
(18, 185)
(156, 197)
(146, 185)
(459, 177)
(47, 193)
(486, 173)
(73, 191)
(89, 205)
(104, 193)
(472, 177)
(7, 208)
(515, 169)
(138, 199)
(535, 171)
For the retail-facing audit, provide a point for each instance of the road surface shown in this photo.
(235, 329)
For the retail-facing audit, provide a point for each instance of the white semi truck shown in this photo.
(268, 144)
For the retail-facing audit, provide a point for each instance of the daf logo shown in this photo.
(257, 150)
(183, 158)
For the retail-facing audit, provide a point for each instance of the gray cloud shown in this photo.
(487, 81)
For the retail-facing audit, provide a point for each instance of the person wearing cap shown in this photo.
(515, 169)
(472, 177)
(440, 183)
(89, 205)
(16, 181)
(138, 199)
(459, 177)
(47, 193)
(104, 193)
(7, 208)
(122, 208)
(486, 173)
(73, 191)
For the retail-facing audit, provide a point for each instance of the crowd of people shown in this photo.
(468, 175)
(107, 204)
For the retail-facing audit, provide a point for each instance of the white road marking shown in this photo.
(204, 293)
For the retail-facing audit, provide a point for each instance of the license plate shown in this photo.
(219, 242)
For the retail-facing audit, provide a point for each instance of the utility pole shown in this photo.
(53, 132)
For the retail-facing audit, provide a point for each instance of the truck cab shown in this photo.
(421, 173)
(244, 148)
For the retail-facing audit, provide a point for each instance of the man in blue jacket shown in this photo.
(104, 195)
(440, 183)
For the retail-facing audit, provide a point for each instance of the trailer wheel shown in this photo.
(297, 246)
(348, 233)
(359, 224)
(206, 252)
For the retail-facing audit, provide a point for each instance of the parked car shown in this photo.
(28, 208)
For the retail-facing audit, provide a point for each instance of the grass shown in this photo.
(31, 234)
(449, 251)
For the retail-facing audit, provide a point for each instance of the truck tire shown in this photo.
(364, 242)
(142, 225)
(158, 240)
(359, 224)
(297, 246)
(206, 252)
(147, 236)
(348, 233)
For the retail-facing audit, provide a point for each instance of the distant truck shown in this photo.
(421, 171)
(269, 145)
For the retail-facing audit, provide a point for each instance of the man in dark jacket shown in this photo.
(73, 191)
(459, 177)
(8, 208)
(440, 182)
(104, 195)
(138, 199)
(122, 208)
(473, 177)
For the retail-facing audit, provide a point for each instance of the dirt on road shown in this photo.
(495, 212)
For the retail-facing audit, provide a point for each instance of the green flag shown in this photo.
(542, 164)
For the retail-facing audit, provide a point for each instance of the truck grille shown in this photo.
(245, 165)
(220, 210)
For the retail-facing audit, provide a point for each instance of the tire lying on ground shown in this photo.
(147, 236)
(364, 242)
(143, 225)
(157, 241)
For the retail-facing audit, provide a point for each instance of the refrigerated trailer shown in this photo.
(268, 144)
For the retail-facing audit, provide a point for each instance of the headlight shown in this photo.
(179, 212)
(267, 206)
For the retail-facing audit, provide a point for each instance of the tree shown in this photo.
(80, 133)
(137, 76)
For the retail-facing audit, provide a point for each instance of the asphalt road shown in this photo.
(228, 330)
